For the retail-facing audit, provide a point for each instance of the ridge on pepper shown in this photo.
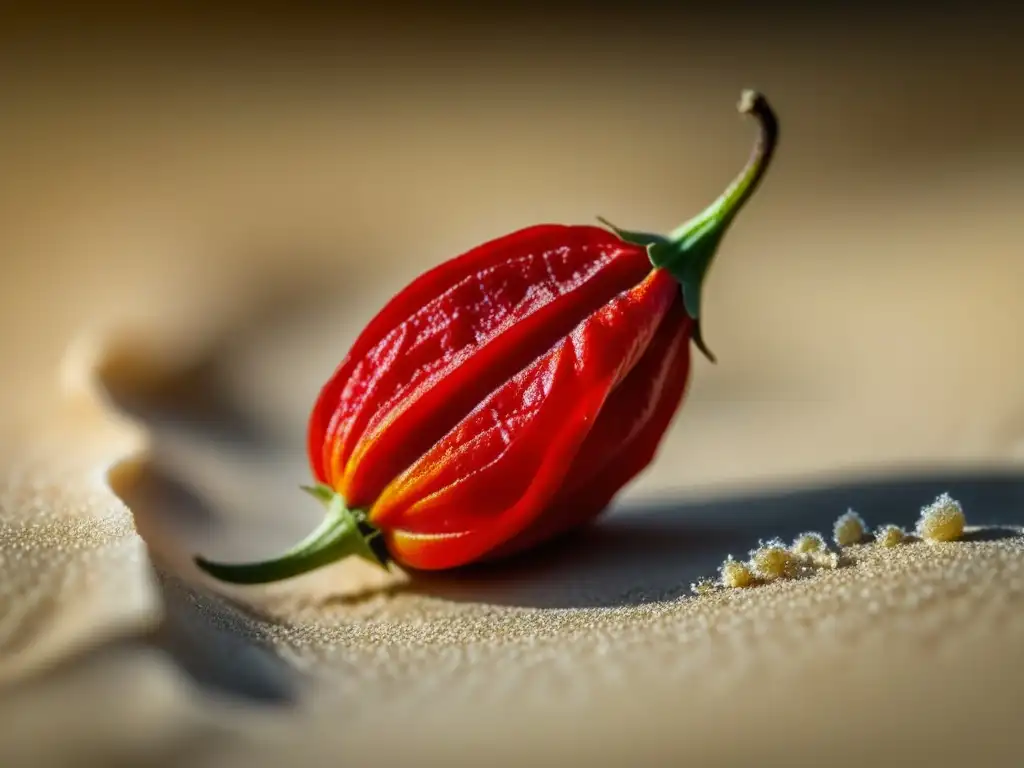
(505, 397)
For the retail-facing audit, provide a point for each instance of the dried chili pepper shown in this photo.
(506, 396)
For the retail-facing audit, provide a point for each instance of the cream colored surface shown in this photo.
(188, 252)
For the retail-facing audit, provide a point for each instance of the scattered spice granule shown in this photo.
(773, 561)
(824, 559)
(848, 529)
(942, 520)
(889, 535)
(735, 574)
(808, 543)
(703, 586)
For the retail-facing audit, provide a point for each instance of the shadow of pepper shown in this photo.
(638, 553)
(197, 630)
(647, 552)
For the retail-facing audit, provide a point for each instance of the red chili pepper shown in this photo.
(507, 395)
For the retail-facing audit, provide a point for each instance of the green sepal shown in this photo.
(687, 263)
(646, 239)
(321, 492)
(698, 342)
(688, 259)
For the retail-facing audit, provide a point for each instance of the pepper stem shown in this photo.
(688, 251)
(721, 212)
(342, 533)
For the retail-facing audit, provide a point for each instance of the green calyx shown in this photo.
(687, 252)
(343, 532)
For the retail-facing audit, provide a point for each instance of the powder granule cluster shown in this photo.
(704, 586)
(735, 574)
(848, 529)
(889, 535)
(824, 559)
(812, 550)
(942, 520)
(773, 560)
(809, 543)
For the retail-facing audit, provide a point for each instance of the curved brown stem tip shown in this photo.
(750, 100)
(754, 103)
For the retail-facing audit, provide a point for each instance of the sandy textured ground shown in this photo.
(189, 247)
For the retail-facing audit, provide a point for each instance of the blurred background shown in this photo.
(212, 203)
(206, 205)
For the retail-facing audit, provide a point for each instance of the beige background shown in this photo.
(195, 222)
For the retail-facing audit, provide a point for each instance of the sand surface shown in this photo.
(191, 242)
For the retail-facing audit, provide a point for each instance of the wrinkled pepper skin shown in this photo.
(506, 396)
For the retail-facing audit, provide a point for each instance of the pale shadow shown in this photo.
(200, 632)
(641, 552)
(647, 552)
